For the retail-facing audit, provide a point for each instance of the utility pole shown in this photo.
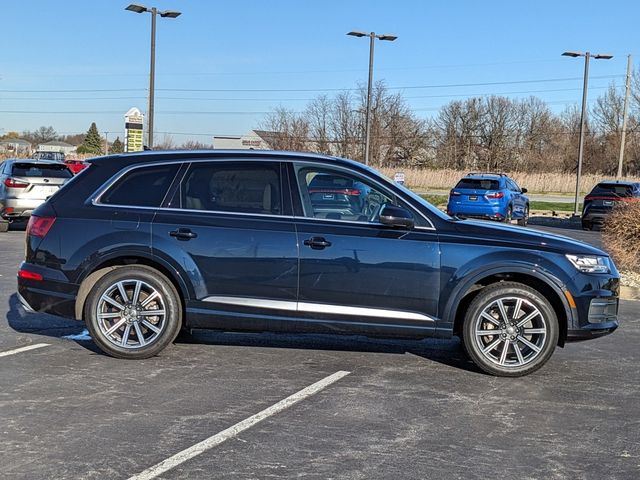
(624, 117)
(106, 143)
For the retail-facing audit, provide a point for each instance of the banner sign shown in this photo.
(134, 127)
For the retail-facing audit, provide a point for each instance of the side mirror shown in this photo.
(524, 190)
(396, 217)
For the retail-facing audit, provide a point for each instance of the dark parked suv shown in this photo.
(142, 245)
(600, 201)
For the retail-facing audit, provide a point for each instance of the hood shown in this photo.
(510, 235)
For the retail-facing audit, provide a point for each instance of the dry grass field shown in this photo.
(543, 182)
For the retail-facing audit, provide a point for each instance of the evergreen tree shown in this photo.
(92, 142)
(117, 146)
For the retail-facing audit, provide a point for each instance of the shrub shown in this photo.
(621, 236)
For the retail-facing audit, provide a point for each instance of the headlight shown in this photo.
(590, 263)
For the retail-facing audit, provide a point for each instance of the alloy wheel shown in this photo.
(511, 332)
(131, 314)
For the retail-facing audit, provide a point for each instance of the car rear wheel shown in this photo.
(525, 217)
(510, 330)
(133, 313)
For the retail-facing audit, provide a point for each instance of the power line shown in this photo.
(253, 99)
(275, 90)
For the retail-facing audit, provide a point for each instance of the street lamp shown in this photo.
(136, 8)
(586, 56)
(372, 36)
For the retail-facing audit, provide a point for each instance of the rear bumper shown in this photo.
(18, 207)
(485, 212)
(54, 294)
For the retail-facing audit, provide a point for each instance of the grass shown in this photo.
(542, 182)
(441, 200)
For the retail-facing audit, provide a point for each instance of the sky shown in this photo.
(221, 66)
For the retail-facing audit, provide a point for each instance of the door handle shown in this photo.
(183, 234)
(317, 243)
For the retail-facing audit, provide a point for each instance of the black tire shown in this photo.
(4, 226)
(587, 226)
(525, 219)
(509, 215)
(535, 340)
(140, 333)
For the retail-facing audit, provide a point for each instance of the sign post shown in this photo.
(134, 125)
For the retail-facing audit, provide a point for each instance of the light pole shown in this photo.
(372, 36)
(583, 114)
(134, 7)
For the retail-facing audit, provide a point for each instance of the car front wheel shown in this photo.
(133, 313)
(510, 330)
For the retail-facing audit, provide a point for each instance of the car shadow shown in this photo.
(444, 351)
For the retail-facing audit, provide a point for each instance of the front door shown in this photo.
(353, 268)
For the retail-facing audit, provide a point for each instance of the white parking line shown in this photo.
(23, 349)
(217, 439)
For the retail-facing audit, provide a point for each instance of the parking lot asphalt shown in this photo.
(406, 409)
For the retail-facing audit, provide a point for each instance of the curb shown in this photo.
(629, 293)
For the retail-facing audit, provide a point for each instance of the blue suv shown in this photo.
(492, 196)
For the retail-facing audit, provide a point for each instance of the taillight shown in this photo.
(39, 226)
(27, 275)
(495, 195)
(453, 193)
(13, 183)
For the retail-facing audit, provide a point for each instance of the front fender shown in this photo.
(456, 286)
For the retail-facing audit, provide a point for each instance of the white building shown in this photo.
(57, 146)
(16, 146)
(254, 140)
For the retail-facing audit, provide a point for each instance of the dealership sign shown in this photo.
(134, 125)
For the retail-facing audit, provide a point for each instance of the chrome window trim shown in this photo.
(308, 307)
(99, 192)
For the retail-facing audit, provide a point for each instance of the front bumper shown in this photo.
(596, 306)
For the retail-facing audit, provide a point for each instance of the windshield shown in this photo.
(432, 208)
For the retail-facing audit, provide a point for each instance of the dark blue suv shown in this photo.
(490, 196)
(142, 245)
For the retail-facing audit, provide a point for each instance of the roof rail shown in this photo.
(487, 173)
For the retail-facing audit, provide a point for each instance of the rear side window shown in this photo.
(242, 187)
(40, 170)
(141, 187)
(478, 184)
(613, 189)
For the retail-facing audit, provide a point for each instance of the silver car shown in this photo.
(25, 184)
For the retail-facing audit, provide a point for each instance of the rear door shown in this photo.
(229, 227)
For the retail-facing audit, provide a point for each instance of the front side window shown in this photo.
(141, 187)
(242, 187)
(337, 195)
